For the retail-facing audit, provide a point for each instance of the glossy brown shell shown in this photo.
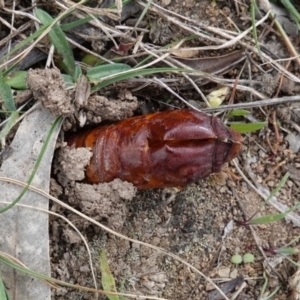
(164, 149)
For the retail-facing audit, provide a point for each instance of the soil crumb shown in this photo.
(99, 201)
(104, 201)
(70, 164)
(97, 109)
(48, 87)
(101, 109)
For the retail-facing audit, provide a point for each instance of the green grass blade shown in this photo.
(68, 80)
(58, 39)
(78, 73)
(287, 251)
(8, 262)
(6, 95)
(71, 25)
(248, 127)
(268, 218)
(17, 80)
(134, 73)
(238, 113)
(279, 186)
(107, 279)
(16, 266)
(8, 126)
(292, 10)
(144, 12)
(96, 73)
(275, 217)
(272, 194)
(292, 262)
(3, 292)
(122, 290)
(254, 31)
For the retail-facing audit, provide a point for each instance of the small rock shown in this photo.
(85, 269)
(147, 284)
(165, 3)
(294, 142)
(233, 274)
(224, 272)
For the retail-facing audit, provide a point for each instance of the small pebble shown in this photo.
(233, 274)
(224, 272)
(165, 3)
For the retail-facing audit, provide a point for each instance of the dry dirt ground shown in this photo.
(202, 223)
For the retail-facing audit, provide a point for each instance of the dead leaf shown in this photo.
(217, 97)
(226, 288)
(216, 64)
(181, 53)
(25, 234)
